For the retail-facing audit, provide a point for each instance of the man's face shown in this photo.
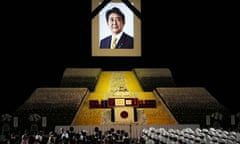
(115, 23)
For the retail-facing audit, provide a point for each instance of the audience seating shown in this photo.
(150, 78)
(58, 105)
(80, 77)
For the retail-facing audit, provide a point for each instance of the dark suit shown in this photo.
(125, 41)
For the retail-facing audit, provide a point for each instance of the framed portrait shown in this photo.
(129, 39)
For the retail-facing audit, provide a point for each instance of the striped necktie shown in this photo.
(114, 43)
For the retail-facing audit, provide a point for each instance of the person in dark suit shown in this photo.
(116, 21)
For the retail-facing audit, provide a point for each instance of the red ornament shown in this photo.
(124, 114)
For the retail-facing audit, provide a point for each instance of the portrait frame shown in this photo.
(133, 29)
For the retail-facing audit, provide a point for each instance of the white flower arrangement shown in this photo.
(34, 117)
(6, 117)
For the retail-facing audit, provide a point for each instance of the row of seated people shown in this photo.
(55, 113)
(69, 136)
(35, 121)
(57, 95)
(189, 136)
(150, 135)
(57, 105)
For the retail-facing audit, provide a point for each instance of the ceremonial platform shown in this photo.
(90, 97)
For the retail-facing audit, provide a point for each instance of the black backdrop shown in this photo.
(196, 40)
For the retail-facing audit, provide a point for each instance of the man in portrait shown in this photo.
(118, 39)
